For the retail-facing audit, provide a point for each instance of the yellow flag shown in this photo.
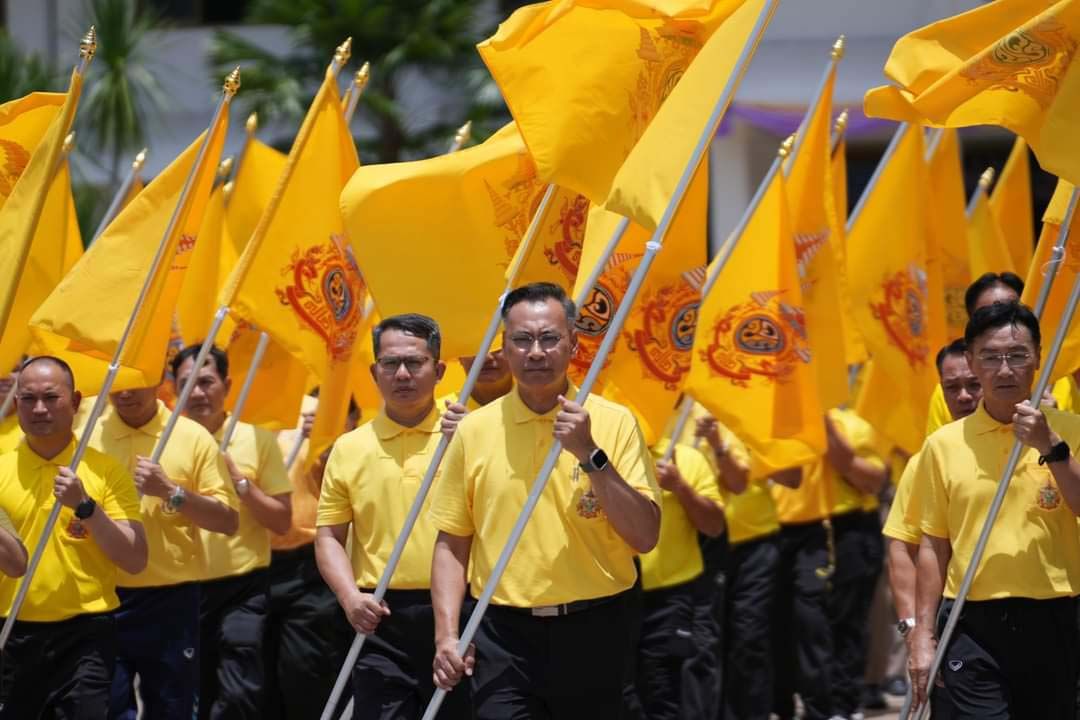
(889, 284)
(948, 225)
(83, 324)
(836, 203)
(456, 222)
(751, 357)
(22, 209)
(1010, 204)
(206, 274)
(808, 187)
(73, 243)
(1006, 63)
(252, 187)
(579, 110)
(986, 246)
(23, 123)
(1069, 359)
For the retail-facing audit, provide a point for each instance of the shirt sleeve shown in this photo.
(897, 526)
(632, 459)
(121, 500)
(698, 474)
(451, 510)
(212, 474)
(335, 504)
(929, 497)
(273, 478)
(866, 443)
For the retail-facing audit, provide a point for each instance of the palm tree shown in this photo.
(21, 74)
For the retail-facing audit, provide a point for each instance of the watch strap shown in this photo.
(1058, 453)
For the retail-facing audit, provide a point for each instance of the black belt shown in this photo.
(550, 611)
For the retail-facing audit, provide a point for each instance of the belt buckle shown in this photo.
(547, 611)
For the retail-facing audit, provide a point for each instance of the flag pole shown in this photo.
(933, 141)
(352, 95)
(717, 267)
(839, 128)
(121, 195)
(652, 247)
(462, 136)
(492, 330)
(835, 56)
(869, 189)
(981, 188)
(245, 391)
(1017, 448)
(232, 84)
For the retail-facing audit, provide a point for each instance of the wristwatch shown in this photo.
(596, 462)
(1058, 453)
(85, 509)
(176, 499)
(242, 486)
(905, 626)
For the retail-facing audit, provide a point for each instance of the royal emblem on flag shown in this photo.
(569, 231)
(326, 293)
(514, 202)
(902, 312)
(764, 338)
(666, 52)
(13, 160)
(661, 328)
(598, 310)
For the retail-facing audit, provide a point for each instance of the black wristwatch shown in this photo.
(597, 461)
(85, 509)
(1058, 453)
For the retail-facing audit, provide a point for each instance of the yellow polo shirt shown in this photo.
(901, 524)
(75, 576)
(1064, 391)
(10, 433)
(676, 559)
(937, 415)
(257, 457)
(6, 524)
(191, 460)
(568, 550)
(1034, 549)
(371, 480)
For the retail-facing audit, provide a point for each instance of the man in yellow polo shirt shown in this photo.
(554, 639)
(158, 618)
(59, 659)
(10, 432)
(371, 481)
(1015, 651)
(234, 590)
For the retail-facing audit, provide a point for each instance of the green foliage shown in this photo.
(23, 74)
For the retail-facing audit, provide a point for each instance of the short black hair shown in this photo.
(988, 280)
(957, 347)
(219, 356)
(998, 315)
(414, 324)
(64, 367)
(538, 292)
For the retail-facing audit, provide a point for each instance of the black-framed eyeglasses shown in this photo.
(413, 364)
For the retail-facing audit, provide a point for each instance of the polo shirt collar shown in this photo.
(981, 422)
(153, 428)
(387, 429)
(520, 412)
(37, 462)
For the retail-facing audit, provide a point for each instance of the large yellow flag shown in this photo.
(296, 279)
(1069, 359)
(751, 357)
(986, 246)
(23, 123)
(889, 284)
(837, 203)
(1007, 63)
(455, 221)
(73, 242)
(948, 224)
(83, 324)
(580, 110)
(249, 193)
(1010, 204)
(206, 274)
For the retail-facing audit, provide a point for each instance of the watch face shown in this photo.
(599, 459)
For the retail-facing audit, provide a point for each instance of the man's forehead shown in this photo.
(955, 366)
(402, 341)
(542, 314)
(1004, 337)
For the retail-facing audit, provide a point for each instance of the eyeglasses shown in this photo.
(524, 342)
(412, 364)
(1014, 360)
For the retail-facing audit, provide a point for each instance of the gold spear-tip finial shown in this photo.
(838, 48)
(139, 160)
(343, 52)
(69, 143)
(841, 121)
(463, 134)
(88, 44)
(251, 124)
(362, 76)
(225, 168)
(232, 82)
(786, 146)
(986, 179)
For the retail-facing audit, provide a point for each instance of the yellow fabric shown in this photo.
(836, 203)
(1034, 551)
(986, 245)
(206, 273)
(23, 123)
(253, 187)
(469, 210)
(304, 289)
(1067, 394)
(1011, 206)
(676, 559)
(750, 361)
(948, 223)
(10, 433)
(256, 455)
(938, 413)
(73, 243)
(305, 482)
(888, 278)
(21, 269)
(651, 357)
(75, 576)
(1069, 359)
(580, 111)
(7, 526)
(902, 524)
(83, 325)
(1006, 63)
(646, 183)
(371, 481)
(568, 550)
(280, 381)
(191, 460)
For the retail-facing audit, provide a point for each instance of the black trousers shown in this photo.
(702, 678)
(665, 643)
(551, 668)
(1013, 658)
(859, 556)
(58, 669)
(232, 623)
(751, 595)
(802, 637)
(392, 679)
(306, 638)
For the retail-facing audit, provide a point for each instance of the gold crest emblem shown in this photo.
(1049, 496)
(588, 505)
(902, 312)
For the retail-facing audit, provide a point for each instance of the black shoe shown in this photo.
(872, 698)
(897, 687)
